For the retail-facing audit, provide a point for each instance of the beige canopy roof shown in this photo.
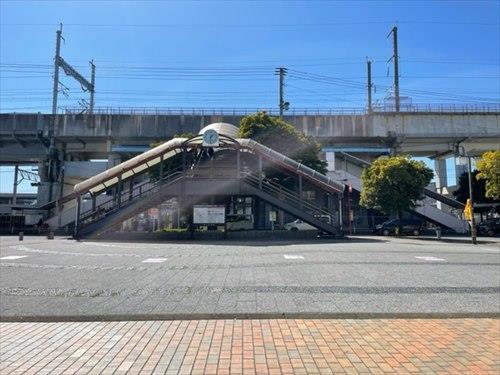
(172, 147)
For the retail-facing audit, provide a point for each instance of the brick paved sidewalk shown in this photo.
(314, 346)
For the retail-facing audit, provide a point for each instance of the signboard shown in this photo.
(272, 216)
(209, 214)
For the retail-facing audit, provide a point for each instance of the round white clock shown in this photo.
(210, 138)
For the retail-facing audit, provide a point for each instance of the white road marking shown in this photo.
(12, 257)
(100, 244)
(154, 260)
(286, 256)
(431, 259)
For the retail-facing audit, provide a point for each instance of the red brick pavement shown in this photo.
(294, 346)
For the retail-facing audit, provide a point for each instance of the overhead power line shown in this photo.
(253, 25)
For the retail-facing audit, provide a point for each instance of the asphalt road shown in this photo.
(62, 278)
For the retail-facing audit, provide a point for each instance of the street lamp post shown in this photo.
(471, 200)
(462, 153)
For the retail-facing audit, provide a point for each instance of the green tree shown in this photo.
(489, 170)
(282, 137)
(394, 184)
(478, 188)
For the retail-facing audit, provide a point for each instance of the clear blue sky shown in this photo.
(222, 54)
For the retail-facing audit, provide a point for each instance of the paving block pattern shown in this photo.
(283, 346)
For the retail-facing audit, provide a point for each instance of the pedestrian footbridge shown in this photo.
(195, 172)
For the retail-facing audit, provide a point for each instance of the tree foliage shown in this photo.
(282, 137)
(478, 188)
(394, 184)
(489, 171)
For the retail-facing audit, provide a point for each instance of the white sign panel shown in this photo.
(209, 214)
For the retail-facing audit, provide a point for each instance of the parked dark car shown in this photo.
(408, 226)
(489, 227)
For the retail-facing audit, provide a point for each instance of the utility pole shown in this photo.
(471, 200)
(59, 62)
(283, 105)
(395, 59)
(369, 85)
(92, 92)
(55, 88)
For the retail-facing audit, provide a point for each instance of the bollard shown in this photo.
(50, 235)
(21, 236)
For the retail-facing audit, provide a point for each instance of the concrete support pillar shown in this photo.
(441, 177)
(330, 159)
(459, 169)
(440, 173)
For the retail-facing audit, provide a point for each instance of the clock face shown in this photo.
(210, 138)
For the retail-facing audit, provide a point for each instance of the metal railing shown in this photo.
(225, 111)
(126, 197)
(289, 196)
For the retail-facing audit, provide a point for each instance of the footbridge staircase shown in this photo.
(425, 208)
(197, 177)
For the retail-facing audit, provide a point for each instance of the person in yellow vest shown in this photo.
(468, 210)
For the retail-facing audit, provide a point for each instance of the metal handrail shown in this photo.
(228, 111)
(138, 191)
(292, 197)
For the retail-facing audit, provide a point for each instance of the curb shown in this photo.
(242, 316)
(453, 240)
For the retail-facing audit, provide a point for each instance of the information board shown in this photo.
(209, 214)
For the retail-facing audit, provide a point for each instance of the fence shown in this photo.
(417, 108)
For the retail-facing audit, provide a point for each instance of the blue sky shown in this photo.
(223, 54)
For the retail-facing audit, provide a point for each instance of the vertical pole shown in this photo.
(341, 214)
(281, 72)
(238, 163)
(281, 91)
(260, 172)
(92, 92)
(77, 218)
(349, 208)
(119, 188)
(55, 91)
(300, 190)
(161, 167)
(14, 188)
(55, 88)
(471, 198)
(369, 86)
(395, 58)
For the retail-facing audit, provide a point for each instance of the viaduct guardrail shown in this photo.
(420, 108)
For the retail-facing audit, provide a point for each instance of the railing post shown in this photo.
(77, 217)
(300, 190)
(260, 172)
(161, 167)
(238, 163)
(119, 190)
